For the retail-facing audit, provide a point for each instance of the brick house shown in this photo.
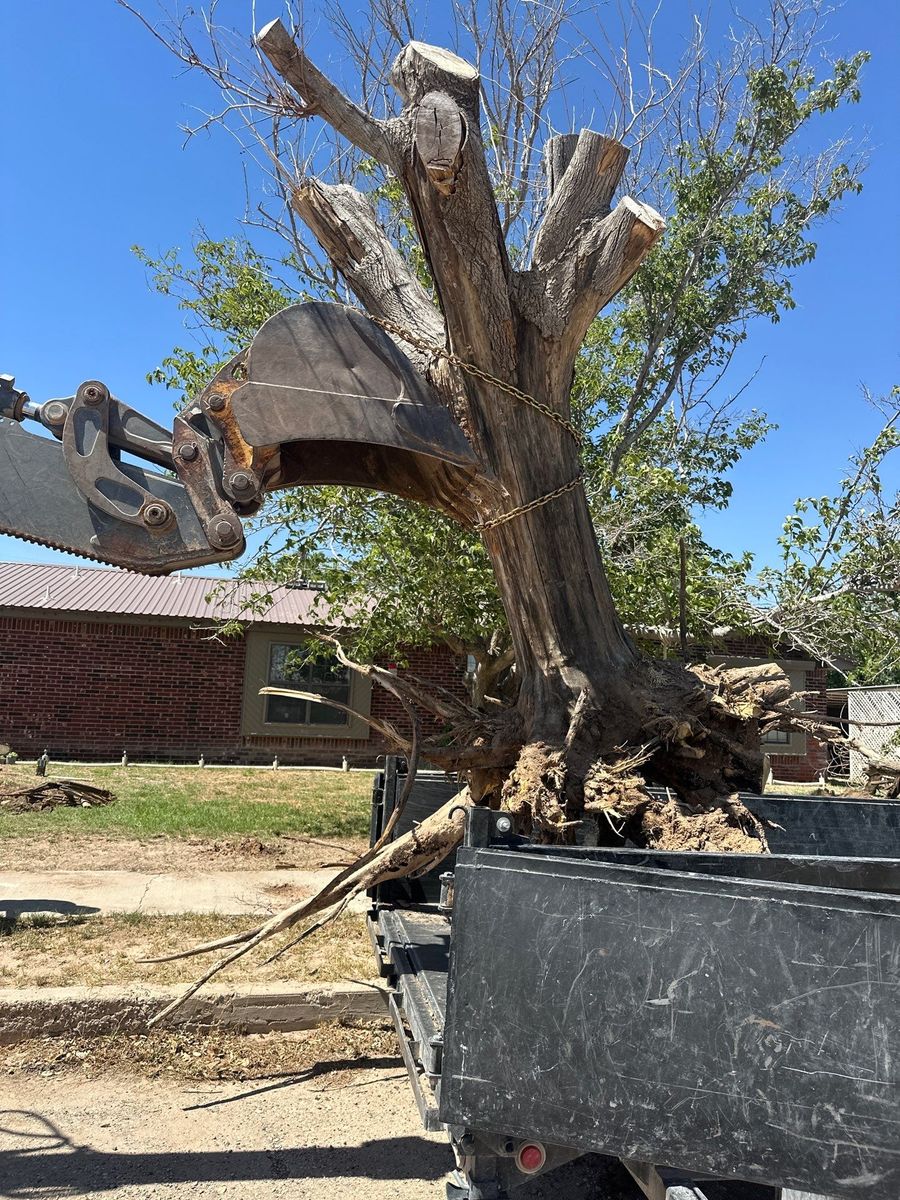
(95, 661)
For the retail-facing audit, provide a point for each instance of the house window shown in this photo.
(289, 667)
(279, 658)
(777, 737)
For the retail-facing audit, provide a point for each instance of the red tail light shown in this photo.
(531, 1157)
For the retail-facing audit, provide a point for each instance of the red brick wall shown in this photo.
(89, 690)
(806, 768)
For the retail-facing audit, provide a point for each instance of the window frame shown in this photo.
(777, 737)
(339, 717)
(259, 645)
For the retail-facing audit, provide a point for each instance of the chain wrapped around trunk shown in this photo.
(517, 393)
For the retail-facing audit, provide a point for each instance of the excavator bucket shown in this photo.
(344, 405)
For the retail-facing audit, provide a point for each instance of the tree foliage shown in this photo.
(835, 591)
(229, 291)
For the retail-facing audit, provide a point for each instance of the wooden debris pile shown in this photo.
(50, 794)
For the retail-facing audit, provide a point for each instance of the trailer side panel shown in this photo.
(744, 1028)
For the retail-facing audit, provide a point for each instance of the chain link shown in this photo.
(477, 373)
(539, 503)
(486, 377)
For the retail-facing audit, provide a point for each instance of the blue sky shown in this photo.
(95, 162)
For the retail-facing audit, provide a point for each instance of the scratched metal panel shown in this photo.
(746, 1029)
(813, 870)
(803, 825)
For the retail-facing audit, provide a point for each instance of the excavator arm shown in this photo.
(322, 396)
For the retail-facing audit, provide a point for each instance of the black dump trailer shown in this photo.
(726, 1025)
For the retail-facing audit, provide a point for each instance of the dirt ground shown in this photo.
(305, 1120)
(292, 1139)
(195, 1057)
(68, 852)
(299, 1137)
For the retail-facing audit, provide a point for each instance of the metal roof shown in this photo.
(124, 593)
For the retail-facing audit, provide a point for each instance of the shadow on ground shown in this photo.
(47, 1162)
(11, 911)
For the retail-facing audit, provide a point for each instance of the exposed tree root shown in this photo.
(535, 791)
(729, 827)
(694, 731)
(414, 852)
(883, 778)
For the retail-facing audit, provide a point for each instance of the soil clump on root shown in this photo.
(672, 825)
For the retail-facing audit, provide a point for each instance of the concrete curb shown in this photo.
(264, 1008)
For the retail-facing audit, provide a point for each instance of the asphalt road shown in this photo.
(355, 1136)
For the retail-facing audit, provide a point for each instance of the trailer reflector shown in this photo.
(531, 1157)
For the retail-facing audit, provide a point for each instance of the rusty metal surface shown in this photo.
(106, 590)
(254, 463)
(199, 468)
(127, 429)
(87, 501)
(13, 400)
(334, 394)
(323, 372)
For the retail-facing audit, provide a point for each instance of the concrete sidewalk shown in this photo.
(230, 892)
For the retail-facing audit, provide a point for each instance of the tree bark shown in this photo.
(584, 691)
(344, 224)
(565, 630)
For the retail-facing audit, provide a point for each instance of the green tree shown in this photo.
(835, 593)
(742, 194)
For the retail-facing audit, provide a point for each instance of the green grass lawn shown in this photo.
(198, 802)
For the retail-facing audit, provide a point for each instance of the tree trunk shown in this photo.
(590, 709)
